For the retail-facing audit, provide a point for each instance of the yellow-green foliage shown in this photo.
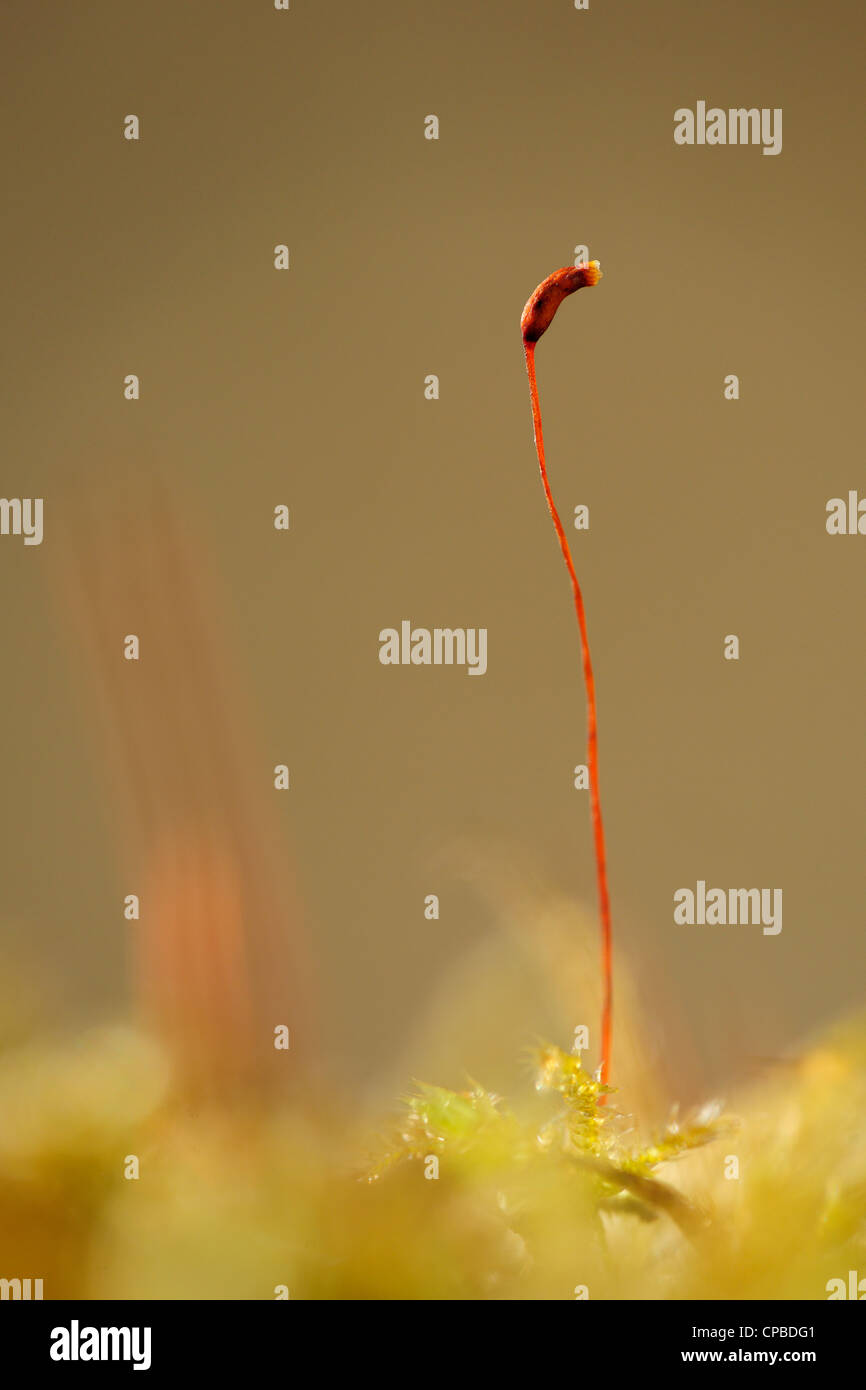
(472, 1131)
(548, 1195)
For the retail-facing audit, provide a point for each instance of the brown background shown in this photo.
(412, 257)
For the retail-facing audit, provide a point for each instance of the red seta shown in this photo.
(536, 318)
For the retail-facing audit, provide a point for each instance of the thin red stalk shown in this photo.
(592, 728)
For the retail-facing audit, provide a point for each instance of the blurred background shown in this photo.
(306, 388)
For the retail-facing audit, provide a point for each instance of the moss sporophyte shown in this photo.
(477, 1132)
(535, 320)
